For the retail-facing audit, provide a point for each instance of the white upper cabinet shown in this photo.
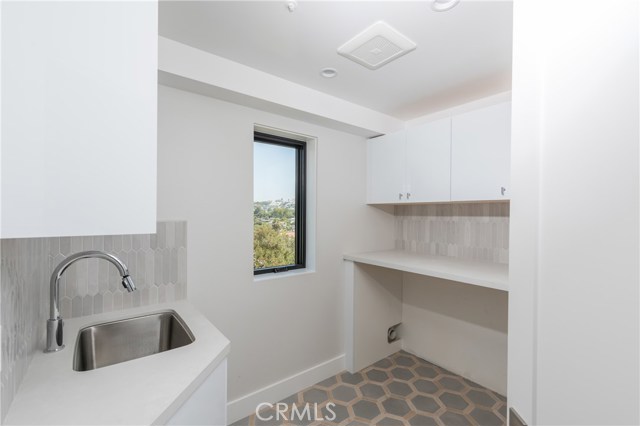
(429, 162)
(462, 158)
(480, 154)
(410, 166)
(79, 118)
(386, 170)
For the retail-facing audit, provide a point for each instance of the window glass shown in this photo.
(278, 204)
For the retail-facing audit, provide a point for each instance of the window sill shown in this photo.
(288, 274)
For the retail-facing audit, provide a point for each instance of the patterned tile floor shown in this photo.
(399, 390)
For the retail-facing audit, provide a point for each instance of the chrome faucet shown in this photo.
(54, 323)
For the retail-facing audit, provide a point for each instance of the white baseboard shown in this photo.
(246, 405)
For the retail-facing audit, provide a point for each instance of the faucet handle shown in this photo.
(54, 335)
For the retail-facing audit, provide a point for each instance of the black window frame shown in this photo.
(301, 200)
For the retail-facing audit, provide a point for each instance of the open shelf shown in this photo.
(483, 274)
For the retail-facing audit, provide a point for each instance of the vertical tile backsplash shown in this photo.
(22, 309)
(156, 262)
(478, 231)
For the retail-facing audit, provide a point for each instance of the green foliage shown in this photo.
(273, 234)
(272, 246)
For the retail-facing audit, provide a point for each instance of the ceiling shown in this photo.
(462, 54)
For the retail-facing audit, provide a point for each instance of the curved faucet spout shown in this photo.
(54, 324)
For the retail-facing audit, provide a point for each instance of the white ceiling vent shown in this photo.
(377, 45)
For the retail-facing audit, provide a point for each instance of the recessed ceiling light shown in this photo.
(444, 5)
(328, 72)
(292, 5)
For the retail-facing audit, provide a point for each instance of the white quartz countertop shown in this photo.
(491, 275)
(143, 391)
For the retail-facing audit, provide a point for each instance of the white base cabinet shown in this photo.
(208, 404)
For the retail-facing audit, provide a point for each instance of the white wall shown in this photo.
(496, 99)
(377, 305)
(574, 313)
(2, 413)
(188, 68)
(281, 326)
(523, 233)
(460, 327)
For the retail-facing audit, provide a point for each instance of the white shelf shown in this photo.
(490, 275)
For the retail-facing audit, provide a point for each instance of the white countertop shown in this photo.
(143, 391)
(491, 275)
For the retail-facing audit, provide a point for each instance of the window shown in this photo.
(279, 204)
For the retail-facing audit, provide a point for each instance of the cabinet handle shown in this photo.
(400, 196)
(408, 195)
(502, 190)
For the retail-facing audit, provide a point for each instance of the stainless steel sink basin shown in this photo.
(113, 342)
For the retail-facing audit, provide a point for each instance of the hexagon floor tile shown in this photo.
(401, 389)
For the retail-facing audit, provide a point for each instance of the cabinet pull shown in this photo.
(502, 190)
(400, 196)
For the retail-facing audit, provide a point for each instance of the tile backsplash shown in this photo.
(156, 262)
(22, 310)
(478, 231)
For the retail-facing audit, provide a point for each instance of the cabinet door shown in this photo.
(480, 154)
(386, 169)
(429, 162)
(79, 116)
(207, 405)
